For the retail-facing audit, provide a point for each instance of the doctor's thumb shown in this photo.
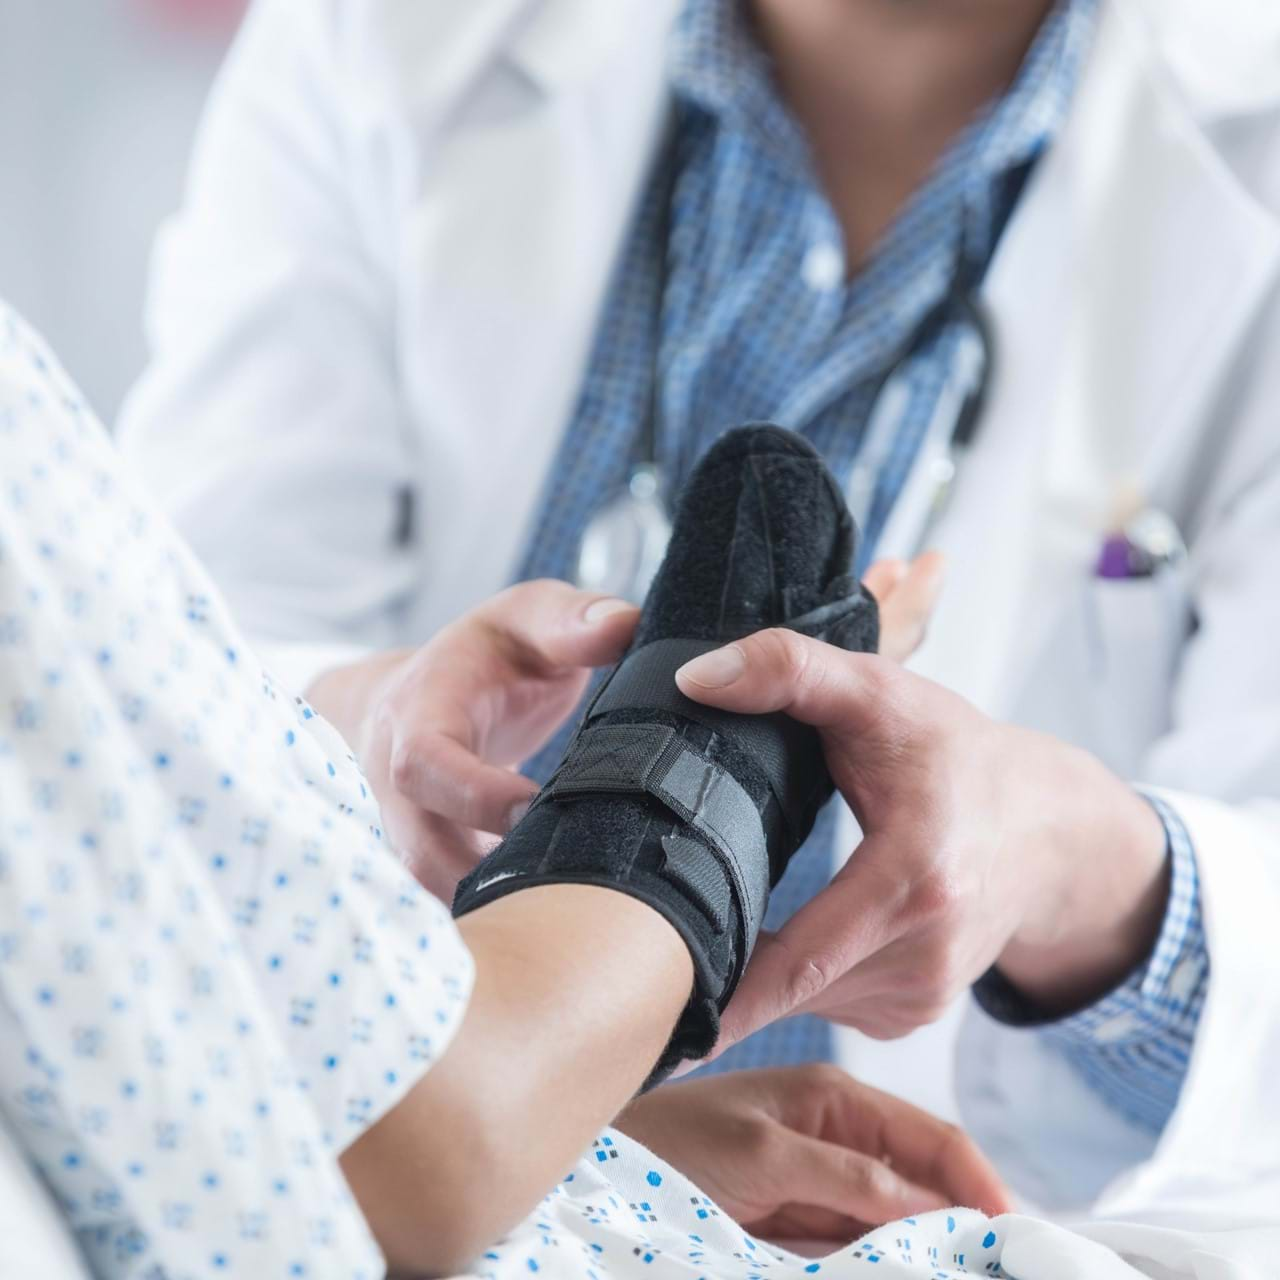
(773, 987)
(781, 670)
(552, 626)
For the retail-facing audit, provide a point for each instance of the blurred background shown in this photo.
(99, 101)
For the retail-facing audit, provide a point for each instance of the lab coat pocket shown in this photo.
(1134, 632)
(1103, 678)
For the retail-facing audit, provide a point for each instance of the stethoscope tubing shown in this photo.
(647, 484)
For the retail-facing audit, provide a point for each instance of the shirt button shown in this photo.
(1182, 981)
(823, 267)
(1117, 1028)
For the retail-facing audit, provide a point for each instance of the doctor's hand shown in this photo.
(981, 843)
(808, 1153)
(439, 730)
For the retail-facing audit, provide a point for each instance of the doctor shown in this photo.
(451, 278)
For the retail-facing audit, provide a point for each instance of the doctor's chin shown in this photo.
(638, 640)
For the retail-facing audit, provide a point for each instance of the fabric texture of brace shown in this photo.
(693, 810)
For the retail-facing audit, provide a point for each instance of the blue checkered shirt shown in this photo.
(732, 293)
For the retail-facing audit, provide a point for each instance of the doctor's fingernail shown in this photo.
(716, 669)
(606, 608)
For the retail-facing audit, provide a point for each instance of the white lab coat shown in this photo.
(395, 245)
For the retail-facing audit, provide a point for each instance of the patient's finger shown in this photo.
(443, 777)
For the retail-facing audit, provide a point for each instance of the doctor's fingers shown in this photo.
(437, 852)
(882, 577)
(866, 909)
(547, 625)
(912, 980)
(907, 604)
(919, 1146)
(855, 695)
(894, 993)
(927, 1150)
(852, 1184)
(441, 776)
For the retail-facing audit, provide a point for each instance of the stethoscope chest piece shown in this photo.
(625, 541)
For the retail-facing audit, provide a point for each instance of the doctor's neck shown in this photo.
(883, 86)
(908, 60)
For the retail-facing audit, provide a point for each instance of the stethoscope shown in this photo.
(624, 542)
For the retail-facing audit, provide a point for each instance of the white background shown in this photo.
(98, 103)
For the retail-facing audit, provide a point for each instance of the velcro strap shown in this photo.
(631, 759)
(788, 752)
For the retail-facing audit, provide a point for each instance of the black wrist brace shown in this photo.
(693, 810)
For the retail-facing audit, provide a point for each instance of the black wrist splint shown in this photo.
(693, 810)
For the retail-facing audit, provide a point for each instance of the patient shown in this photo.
(238, 1038)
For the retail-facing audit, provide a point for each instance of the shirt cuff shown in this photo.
(1168, 991)
(1133, 1045)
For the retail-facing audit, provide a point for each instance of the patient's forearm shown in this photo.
(577, 991)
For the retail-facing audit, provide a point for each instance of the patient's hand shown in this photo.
(808, 1153)
(439, 730)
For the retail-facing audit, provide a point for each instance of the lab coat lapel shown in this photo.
(441, 47)
(1172, 260)
(563, 129)
(1120, 290)
(438, 47)
(1131, 266)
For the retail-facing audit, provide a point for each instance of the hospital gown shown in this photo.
(214, 976)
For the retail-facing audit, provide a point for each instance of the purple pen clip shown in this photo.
(1115, 560)
(1147, 543)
